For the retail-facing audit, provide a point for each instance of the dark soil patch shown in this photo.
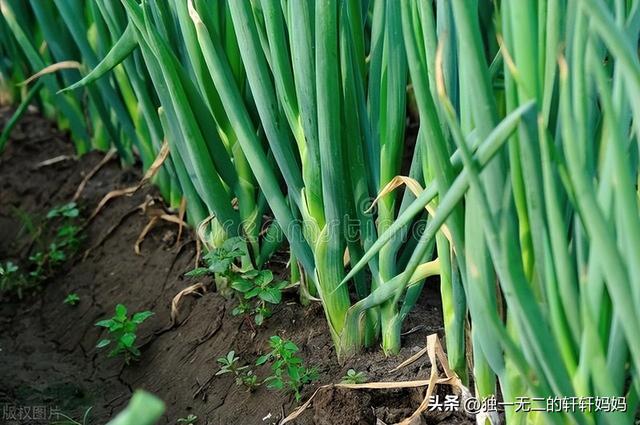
(47, 349)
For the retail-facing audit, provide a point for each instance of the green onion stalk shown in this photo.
(84, 32)
(300, 118)
(525, 169)
(420, 35)
(195, 74)
(152, 87)
(210, 165)
(11, 69)
(19, 22)
(345, 125)
(539, 110)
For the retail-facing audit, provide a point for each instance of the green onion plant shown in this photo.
(288, 119)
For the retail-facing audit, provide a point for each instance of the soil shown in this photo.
(47, 348)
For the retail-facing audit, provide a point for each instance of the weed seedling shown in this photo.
(257, 285)
(7, 270)
(69, 210)
(243, 307)
(11, 280)
(231, 364)
(287, 369)
(68, 236)
(72, 299)
(219, 260)
(249, 380)
(122, 332)
(49, 255)
(189, 420)
(56, 254)
(38, 261)
(353, 377)
(255, 289)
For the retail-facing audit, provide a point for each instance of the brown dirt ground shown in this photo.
(47, 349)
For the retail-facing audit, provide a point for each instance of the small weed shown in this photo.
(72, 299)
(56, 254)
(122, 332)
(243, 307)
(231, 364)
(287, 370)
(353, 377)
(49, 254)
(8, 270)
(189, 420)
(68, 236)
(219, 260)
(257, 285)
(38, 261)
(69, 210)
(11, 280)
(249, 380)
(255, 289)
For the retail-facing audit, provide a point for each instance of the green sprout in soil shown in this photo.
(38, 261)
(249, 380)
(231, 364)
(56, 255)
(69, 210)
(68, 236)
(50, 252)
(353, 377)
(122, 332)
(257, 286)
(11, 280)
(8, 270)
(66, 241)
(287, 369)
(220, 260)
(254, 289)
(72, 299)
(189, 420)
(288, 372)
